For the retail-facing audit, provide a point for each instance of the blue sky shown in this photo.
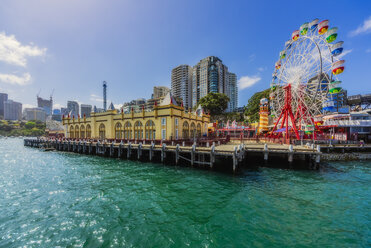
(72, 46)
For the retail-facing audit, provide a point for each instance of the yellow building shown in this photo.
(166, 122)
(263, 116)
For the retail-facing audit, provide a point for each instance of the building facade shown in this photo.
(233, 92)
(45, 104)
(160, 91)
(209, 75)
(85, 110)
(167, 122)
(3, 98)
(35, 114)
(12, 110)
(73, 108)
(181, 84)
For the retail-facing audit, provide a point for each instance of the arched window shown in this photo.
(138, 130)
(118, 131)
(77, 133)
(193, 130)
(150, 130)
(198, 130)
(72, 132)
(88, 131)
(127, 130)
(82, 132)
(185, 130)
(102, 131)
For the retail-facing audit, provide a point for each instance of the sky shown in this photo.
(72, 46)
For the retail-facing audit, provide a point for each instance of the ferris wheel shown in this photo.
(304, 81)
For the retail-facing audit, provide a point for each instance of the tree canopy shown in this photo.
(215, 103)
(252, 107)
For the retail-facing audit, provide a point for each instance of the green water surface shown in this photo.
(55, 199)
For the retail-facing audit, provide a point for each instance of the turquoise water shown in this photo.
(51, 199)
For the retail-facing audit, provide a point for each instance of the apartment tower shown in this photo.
(181, 84)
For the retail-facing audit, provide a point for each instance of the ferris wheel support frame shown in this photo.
(287, 113)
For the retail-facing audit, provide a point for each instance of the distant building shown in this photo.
(85, 110)
(3, 98)
(160, 91)
(12, 110)
(181, 84)
(64, 111)
(136, 105)
(35, 114)
(233, 92)
(209, 75)
(57, 115)
(73, 108)
(46, 104)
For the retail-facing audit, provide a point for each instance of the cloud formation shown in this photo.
(96, 98)
(14, 53)
(246, 81)
(345, 52)
(364, 28)
(14, 79)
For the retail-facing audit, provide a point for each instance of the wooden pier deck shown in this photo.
(230, 155)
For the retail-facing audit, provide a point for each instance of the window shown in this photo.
(150, 130)
(82, 132)
(72, 132)
(118, 131)
(176, 121)
(163, 134)
(176, 134)
(88, 131)
(102, 131)
(138, 130)
(77, 133)
(185, 130)
(163, 121)
(127, 131)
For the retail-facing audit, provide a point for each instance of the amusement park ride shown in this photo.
(304, 82)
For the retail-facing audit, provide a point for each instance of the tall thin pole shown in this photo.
(105, 95)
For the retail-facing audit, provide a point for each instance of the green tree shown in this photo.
(215, 103)
(30, 124)
(252, 107)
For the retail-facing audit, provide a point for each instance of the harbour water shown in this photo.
(50, 199)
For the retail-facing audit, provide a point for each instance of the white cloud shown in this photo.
(14, 79)
(26, 105)
(368, 50)
(14, 53)
(117, 106)
(57, 106)
(345, 52)
(95, 98)
(261, 69)
(364, 28)
(246, 81)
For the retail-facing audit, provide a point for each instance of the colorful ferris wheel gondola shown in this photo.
(323, 27)
(331, 35)
(282, 54)
(334, 87)
(313, 24)
(295, 35)
(338, 67)
(278, 65)
(337, 48)
(304, 28)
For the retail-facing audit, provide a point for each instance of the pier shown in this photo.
(228, 156)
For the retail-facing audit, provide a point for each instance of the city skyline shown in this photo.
(74, 56)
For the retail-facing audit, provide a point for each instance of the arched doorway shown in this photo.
(185, 130)
(127, 131)
(88, 131)
(72, 132)
(77, 132)
(150, 130)
(198, 130)
(118, 131)
(102, 131)
(138, 130)
(82, 132)
(193, 130)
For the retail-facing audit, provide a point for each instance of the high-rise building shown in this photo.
(3, 98)
(209, 75)
(160, 91)
(57, 114)
(73, 108)
(46, 104)
(64, 111)
(35, 114)
(233, 92)
(181, 84)
(85, 110)
(12, 110)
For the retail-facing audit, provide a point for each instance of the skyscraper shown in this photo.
(73, 108)
(12, 110)
(85, 110)
(233, 92)
(45, 104)
(209, 75)
(35, 114)
(181, 84)
(3, 98)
